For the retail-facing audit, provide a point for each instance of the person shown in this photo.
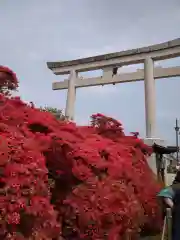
(171, 168)
(171, 198)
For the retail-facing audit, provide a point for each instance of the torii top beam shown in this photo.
(157, 52)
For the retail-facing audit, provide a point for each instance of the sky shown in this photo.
(34, 32)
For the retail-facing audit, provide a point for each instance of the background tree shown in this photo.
(56, 112)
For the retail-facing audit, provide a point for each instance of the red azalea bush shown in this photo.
(8, 80)
(78, 182)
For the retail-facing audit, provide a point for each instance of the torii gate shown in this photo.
(109, 63)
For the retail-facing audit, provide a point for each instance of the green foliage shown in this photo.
(56, 112)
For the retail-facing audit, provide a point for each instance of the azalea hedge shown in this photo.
(77, 182)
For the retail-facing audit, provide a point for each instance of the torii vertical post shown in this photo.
(150, 95)
(71, 95)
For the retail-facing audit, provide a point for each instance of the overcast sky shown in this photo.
(34, 32)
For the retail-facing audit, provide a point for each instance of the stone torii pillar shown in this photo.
(71, 95)
(150, 95)
(150, 110)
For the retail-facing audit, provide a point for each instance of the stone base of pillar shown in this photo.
(152, 159)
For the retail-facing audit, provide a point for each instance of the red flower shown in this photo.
(13, 218)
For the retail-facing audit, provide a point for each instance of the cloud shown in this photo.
(34, 56)
(103, 90)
